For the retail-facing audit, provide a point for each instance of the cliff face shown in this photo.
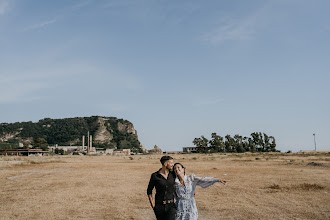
(8, 136)
(107, 132)
(127, 127)
(102, 134)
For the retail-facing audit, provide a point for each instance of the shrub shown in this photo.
(59, 151)
(315, 164)
(309, 186)
(274, 186)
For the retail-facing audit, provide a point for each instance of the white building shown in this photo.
(190, 149)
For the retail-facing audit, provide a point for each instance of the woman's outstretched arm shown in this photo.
(205, 182)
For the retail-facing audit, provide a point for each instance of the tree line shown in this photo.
(258, 142)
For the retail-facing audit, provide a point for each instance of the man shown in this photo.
(163, 181)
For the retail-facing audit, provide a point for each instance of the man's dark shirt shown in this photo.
(164, 187)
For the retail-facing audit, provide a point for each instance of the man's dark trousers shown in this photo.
(165, 212)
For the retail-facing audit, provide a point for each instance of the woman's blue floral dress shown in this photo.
(185, 201)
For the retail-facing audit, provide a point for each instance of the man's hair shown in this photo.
(165, 158)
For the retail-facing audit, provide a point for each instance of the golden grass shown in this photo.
(8, 161)
(275, 186)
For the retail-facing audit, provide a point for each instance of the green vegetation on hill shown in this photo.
(10, 144)
(69, 131)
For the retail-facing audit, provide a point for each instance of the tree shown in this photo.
(258, 142)
(239, 144)
(59, 151)
(201, 144)
(25, 145)
(40, 143)
(216, 143)
(272, 144)
(252, 146)
(261, 143)
(266, 143)
(229, 143)
(246, 144)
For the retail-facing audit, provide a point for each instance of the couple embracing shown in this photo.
(174, 199)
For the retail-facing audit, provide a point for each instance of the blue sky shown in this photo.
(176, 69)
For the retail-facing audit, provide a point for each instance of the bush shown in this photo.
(59, 151)
(274, 186)
(308, 186)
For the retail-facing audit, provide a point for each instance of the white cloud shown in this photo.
(241, 28)
(41, 24)
(81, 5)
(231, 30)
(21, 88)
(4, 6)
(27, 84)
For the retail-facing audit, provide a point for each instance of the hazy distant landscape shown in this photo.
(262, 186)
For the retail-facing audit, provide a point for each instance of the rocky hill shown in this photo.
(107, 132)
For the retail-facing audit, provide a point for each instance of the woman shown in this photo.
(185, 189)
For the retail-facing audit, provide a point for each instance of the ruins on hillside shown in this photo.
(156, 150)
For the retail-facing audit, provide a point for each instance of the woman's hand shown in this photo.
(224, 182)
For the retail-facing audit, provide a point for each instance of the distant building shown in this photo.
(25, 152)
(64, 148)
(190, 149)
(109, 151)
(123, 152)
(172, 152)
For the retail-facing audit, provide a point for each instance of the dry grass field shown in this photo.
(262, 186)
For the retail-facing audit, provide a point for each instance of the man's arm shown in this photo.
(151, 186)
(151, 201)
